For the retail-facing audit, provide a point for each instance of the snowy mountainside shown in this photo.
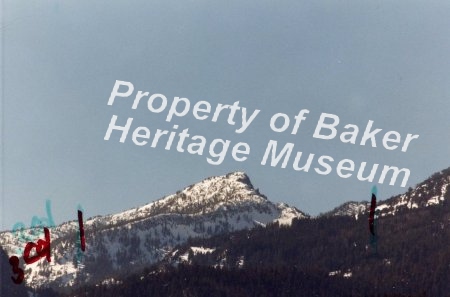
(127, 241)
(433, 191)
(351, 208)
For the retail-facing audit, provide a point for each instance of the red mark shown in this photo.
(14, 261)
(373, 205)
(80, 224)
(42, 249)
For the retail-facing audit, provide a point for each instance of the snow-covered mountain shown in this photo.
(334, 252)
(121, 243)
(432, 191)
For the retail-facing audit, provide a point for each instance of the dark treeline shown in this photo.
(202, 281)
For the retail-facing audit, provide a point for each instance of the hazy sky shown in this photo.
(385, 61)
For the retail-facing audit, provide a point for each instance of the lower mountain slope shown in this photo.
(326, 256)
(330, 255)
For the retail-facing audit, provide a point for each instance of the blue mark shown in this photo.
(36, 226)
(375, 190)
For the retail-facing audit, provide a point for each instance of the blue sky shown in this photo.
(385, 61)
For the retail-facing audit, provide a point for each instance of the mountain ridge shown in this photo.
(432, 191)
(158, 232)
(144, 235)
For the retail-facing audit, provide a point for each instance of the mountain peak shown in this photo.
(211, 194)
(240, 176)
